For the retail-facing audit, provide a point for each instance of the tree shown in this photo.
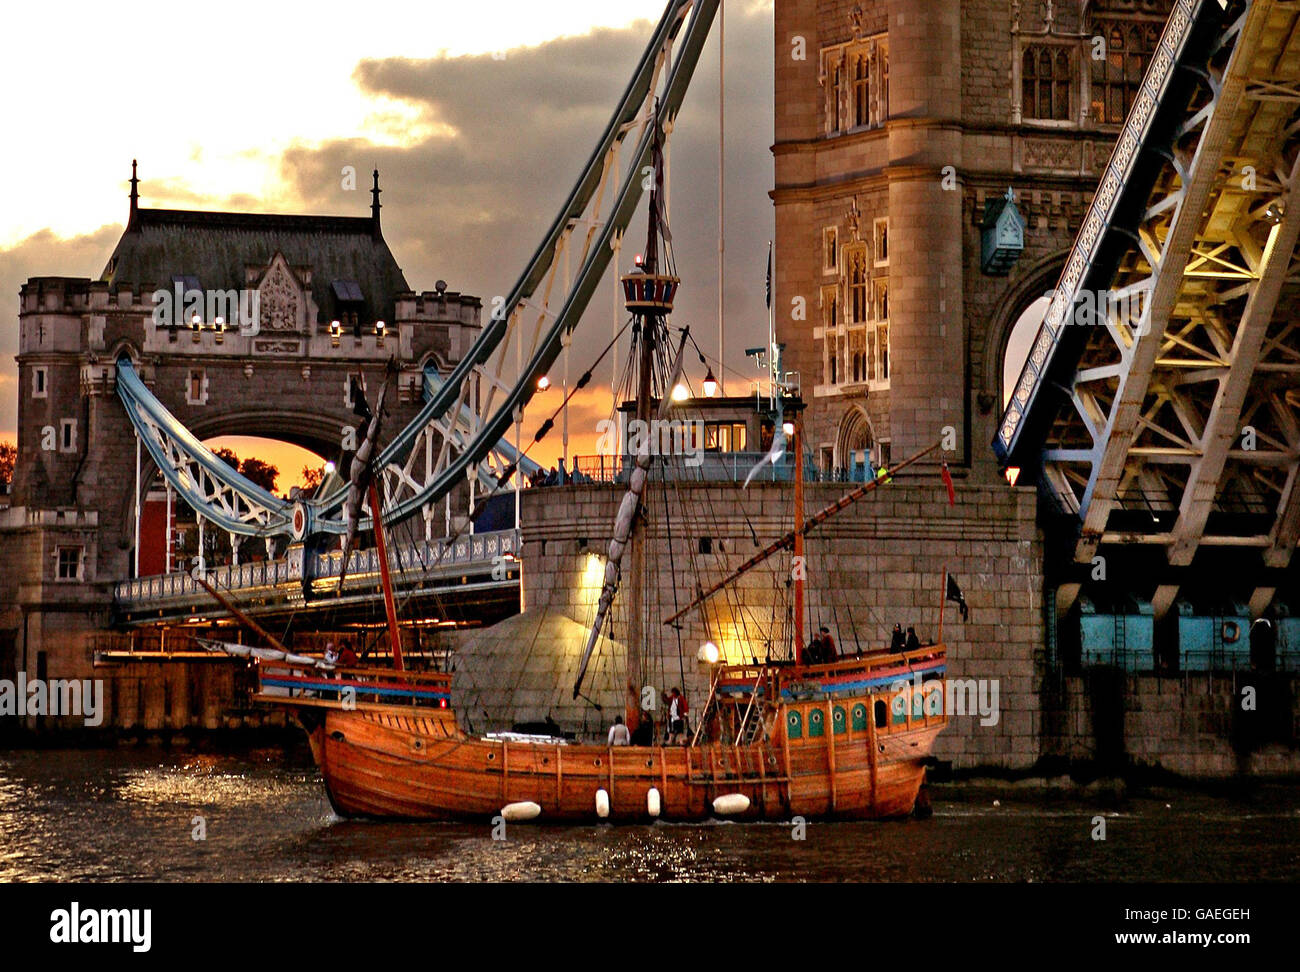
(311, 479)
(262, 473)
(8, 457)
(229, 457)
(255, 470)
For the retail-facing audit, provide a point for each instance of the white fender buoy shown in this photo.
(602, 804)
(521, 811)
(731, 803)
(652, 802)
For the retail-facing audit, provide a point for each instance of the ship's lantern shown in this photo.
(1012, 473)
(543, 383)
(710, 384)
(787, 428)
(709, 653)
(681, 392)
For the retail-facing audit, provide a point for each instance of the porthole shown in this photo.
(595, 762)
(491, 756)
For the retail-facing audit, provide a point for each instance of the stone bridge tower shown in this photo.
(322, 298)
(899, 127)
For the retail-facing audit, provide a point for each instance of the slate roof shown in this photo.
(160, 244)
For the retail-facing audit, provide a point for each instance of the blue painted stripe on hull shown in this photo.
(408, 693)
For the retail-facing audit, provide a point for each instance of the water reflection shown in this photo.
(130, 814)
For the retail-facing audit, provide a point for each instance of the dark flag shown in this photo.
(947, 481)
(769, 274)
(360, 406)
(955, 594)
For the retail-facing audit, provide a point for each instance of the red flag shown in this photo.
(947, 481)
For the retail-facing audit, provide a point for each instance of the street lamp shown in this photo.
(710, 384)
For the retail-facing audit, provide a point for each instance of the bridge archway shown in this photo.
(855, 436)
(1014, 320)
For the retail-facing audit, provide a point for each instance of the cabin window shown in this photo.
(794, 724)
(816, 724)
(882, 713)
(839, 723)
(859, 717)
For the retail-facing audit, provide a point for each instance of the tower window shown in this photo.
(196, 387)
(68, 563)
(40, 382)
(1115, 80)
(68, 435)
(1047, 81)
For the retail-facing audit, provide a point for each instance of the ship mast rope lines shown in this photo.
(463, 423)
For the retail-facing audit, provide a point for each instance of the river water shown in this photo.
(131, 814)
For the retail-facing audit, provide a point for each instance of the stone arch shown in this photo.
(316, 432)
(855, 434)
(1037, 280)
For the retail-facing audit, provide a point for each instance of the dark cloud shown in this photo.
(42, 254)
(470, 207)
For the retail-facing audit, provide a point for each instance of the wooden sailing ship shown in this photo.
(844, 740)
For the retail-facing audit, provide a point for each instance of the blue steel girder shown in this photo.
(1182, 401)
(462, 430)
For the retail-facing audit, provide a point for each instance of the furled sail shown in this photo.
(625, 522)
(359, 472)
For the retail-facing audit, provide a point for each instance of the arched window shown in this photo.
(1116, 78)
(861, 90)
(1047, 80)
(857, 260)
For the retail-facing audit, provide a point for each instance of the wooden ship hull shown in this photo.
(845, 741)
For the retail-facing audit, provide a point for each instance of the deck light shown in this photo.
(710, 384)
(709, 653)
(681, 392)
(787, 428)
(1012, 473)
(543, 383)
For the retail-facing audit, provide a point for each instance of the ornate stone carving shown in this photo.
(281, 299)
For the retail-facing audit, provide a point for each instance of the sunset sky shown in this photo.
(258, 110)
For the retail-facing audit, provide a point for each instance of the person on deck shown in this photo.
(618, 734)
(331, 655)
(644, 734)
(829, 652)
(676, 704)
(913, 642)
(348, 658)
(898, 642)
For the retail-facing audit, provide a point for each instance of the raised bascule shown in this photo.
(1151, 442)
